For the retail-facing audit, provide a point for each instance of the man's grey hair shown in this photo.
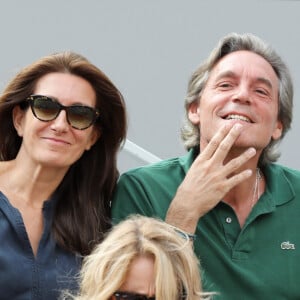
(190, 133)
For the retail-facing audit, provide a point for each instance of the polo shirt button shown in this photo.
(228, 220)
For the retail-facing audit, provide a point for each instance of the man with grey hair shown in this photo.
(239, 207)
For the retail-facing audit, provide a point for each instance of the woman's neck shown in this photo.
(26, 183)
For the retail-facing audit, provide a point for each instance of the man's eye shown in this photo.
(262, 92)
(225, 85)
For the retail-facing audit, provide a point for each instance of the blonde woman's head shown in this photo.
(170, 260)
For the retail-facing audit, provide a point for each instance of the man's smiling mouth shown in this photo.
(237, 117)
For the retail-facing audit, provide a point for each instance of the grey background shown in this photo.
(149, 48)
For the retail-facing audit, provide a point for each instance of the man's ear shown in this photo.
(18, 119)
(194, 113)
(95, 135)
(277, 132)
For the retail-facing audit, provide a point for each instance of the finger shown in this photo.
(227, 142)
(237, 179)
(239, 161)
(215, 142)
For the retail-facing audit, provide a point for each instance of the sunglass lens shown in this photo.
(45, 109)
(130, 296)
(80, 117)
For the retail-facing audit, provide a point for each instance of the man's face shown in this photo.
(242, 88)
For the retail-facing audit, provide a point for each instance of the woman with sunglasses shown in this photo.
(142, 258)
(62, 124)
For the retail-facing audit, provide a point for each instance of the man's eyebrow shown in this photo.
(231, 74)
(265, 81)
(226, 74)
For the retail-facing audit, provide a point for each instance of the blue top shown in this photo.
(24, 276)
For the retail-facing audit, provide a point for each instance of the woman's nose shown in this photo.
(60, 123)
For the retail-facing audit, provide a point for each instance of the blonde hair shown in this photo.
(176, 266)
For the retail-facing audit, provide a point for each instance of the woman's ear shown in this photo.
(194, 113)
(18, 119)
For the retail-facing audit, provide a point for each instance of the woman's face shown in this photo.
(140, 278)
(55, 143)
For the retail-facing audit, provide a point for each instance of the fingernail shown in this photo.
(251, 151)
(248, 172)
(237, 127)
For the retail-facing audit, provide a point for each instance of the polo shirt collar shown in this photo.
(279, 189)
(278, 185)
(187, 160)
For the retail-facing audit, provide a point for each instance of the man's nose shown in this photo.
(242, 94)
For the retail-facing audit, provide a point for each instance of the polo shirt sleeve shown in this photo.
(147, 190)
(130, 197)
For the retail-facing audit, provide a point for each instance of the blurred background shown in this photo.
(149, 50)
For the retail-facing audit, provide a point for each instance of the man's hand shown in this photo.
(208, 180)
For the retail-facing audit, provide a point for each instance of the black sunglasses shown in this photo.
(131, 296)
(47, 109)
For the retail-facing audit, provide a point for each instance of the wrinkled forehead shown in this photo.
(245, 63)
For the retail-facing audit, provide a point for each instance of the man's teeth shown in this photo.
(237, 117)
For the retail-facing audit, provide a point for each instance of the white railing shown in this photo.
(140, 152)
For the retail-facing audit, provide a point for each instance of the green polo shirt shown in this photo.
(259, 261)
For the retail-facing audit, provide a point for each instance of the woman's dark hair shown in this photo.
(82, 212)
